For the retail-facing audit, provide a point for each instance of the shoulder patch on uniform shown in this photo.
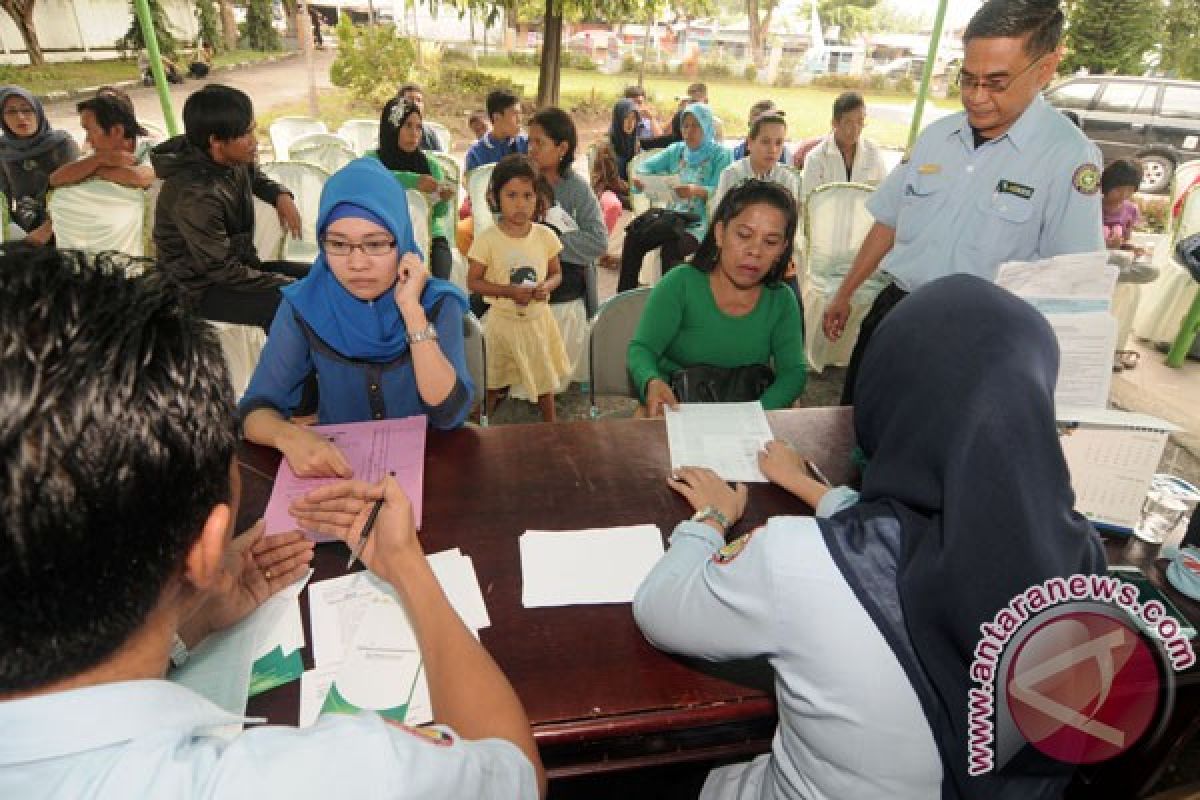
(734, 549)
(430, 735)
(1086, 179)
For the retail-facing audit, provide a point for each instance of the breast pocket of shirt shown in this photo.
(1006, 227)
(924, 196)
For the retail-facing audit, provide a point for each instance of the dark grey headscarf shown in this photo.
(41, 142)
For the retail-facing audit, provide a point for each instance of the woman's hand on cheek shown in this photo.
(411, 276)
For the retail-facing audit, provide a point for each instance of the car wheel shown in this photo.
(1157, 170)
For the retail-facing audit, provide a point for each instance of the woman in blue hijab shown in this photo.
(698, 161)
(383, 337)
(871, 617)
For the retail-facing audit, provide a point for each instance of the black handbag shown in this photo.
(707, 384)
(661, 223)
(1187, 250)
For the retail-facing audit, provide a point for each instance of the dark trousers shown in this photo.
(674, 250)
(248, 305)
(440, 259)
(882, 306)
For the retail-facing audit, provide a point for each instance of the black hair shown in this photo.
(498, 101)
(116, 438)
(771, 117)
(515, 165)
(410, 87)
(395, 113)
(847, 102)
(738, 199)
(217, 110)
(1039, 20)
(559, 126)
(697, 88)
(634, 92)
(1122, 172)
(110, 111)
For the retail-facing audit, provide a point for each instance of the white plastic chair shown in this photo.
(608, 346)
(476, 352)
(440, 132)
(418, 212)
(286, 130)
(268, 233)
(241, 345)
(836, 221)
(326, 150)
(477, 186)
(362, 134)
(99, 215)
(304, 181)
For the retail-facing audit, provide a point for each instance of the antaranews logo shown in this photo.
(1075, 666)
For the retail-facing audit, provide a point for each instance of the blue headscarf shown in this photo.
(374, 329)
(710, 146)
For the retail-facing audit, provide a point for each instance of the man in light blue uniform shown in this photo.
(116, 453)
(1007, 179)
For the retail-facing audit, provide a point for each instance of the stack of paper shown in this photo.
(602, 565)
(277, 659)
(364, 648)
(725, 437)
(1074, 292)
(374, 449)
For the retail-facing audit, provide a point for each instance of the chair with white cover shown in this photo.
(286, 130)
(440, 132)
(418, 213)
(836, 221)
(326, 150)
(305, 181)
(608, 346)
(268, 232)
(477, 185)
(98, 215)
(476, 353)
(362, 134)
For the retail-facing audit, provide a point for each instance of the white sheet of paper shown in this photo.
(1086, 343)
(725, 437)
(288, 631)
(1067, 283)
(659, 189)
(456, 573)
(380, 669)
(314, 685)
(1111, 470)
(601, 565)
(336, 607)
(557, 216)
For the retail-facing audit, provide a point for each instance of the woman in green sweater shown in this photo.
(400, 151)
(728, 308)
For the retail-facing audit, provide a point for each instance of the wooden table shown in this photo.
(599, 697)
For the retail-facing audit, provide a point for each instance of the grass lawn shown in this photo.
(79, 74)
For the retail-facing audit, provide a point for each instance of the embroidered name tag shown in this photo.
(1013, 188)
(929, 169)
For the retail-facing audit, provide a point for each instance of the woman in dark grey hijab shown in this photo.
(29, 151)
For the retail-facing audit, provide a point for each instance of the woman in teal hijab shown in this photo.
(698, 161)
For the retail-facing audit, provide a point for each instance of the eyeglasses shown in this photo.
(371, 247)
(969, 83)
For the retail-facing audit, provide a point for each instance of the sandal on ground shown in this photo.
(1128, 359)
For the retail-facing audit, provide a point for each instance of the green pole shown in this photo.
(935, 39)
(156, 68)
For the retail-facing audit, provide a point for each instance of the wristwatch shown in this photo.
(427, 335)
(713, 513)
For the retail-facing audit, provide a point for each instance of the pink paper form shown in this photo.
(373, 449)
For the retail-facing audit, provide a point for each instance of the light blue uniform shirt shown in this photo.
(153, 739)
(1023, 196)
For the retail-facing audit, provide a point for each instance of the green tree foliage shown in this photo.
(1111, 36)
(133, 41)
(853, 17)
(257, 32)
(1181, 40)
(209, 22)
(372, 61)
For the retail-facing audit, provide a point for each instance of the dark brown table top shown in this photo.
(586, 675)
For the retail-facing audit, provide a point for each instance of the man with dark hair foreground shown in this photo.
(116, 450)
(204, 217)
(1008, 179)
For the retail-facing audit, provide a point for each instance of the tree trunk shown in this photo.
(229, 27)
(755, 31)
(22, 17)
(760, 55)
(549, 74)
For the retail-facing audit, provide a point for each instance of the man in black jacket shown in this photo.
(204, 218)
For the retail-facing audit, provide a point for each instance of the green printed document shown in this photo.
(381, 668)
(277, 659)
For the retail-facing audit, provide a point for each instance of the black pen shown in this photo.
(362, 540)
(818, 476)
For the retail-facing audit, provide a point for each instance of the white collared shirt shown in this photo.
(825, 164)
(154, 739)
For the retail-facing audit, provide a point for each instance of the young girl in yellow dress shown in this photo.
(514, 265)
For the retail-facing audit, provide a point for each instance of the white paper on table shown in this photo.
(380, 669)
(335, 609)
(725, 437)
(456, 574)
(373, 449)
(600, 565)
(288, 631)
(1076, 282)
(314, 686)
(1086, 343)
(1112, 468)
(557, 216)
(659, 189)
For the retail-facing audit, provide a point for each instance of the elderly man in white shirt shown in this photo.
(844, 155)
